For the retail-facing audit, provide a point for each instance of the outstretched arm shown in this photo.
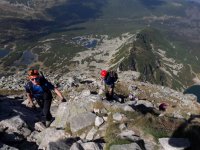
(59, 94)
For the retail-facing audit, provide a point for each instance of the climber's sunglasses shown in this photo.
(35, 79)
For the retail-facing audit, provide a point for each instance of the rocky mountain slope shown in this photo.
(147, 42)
(130, 121)
(151, 54)
(26, 8)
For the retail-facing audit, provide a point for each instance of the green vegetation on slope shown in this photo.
(143, 55)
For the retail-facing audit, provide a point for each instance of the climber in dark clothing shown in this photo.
(39, 88)
(109, 79)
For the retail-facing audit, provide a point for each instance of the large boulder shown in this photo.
(64, 144)
(87, 146)
(91, 134)
(129, 135)
(81, 121)
(15, 125)
(50, 135)
(132, 146)
(66, 111)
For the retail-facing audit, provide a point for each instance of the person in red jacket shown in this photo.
(109, 78)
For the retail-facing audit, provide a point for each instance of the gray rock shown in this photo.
(81, 121)
(145, 103)
(128, 108)
(92, 146)
(122, 127)
(85, 93)
(39, 126)
(71, 81)
(92, 98)
(98, 121)
(174, 143)
(96, 110)
(132, 146)
(91, 133)
(60, 144)
(190, 97)
(130, 135)
(76, 146)
(33, 136)
(17, 125)
(128, 75)
(151, 145)
(50, 135)
(66, 111)
(117, 116)
(86, 146)
(177, 115)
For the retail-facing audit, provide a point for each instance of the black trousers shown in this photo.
(45, 105)
(109, 91)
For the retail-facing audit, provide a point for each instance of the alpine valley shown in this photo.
(158, 38)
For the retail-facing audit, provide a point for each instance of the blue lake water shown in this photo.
(3, 52)
(91, 44)
(87, 43)
(195, 89)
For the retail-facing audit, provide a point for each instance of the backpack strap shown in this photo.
(29, 87)
(113, 75)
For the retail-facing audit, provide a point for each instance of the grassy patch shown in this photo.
(11, 58)
(156, 133)
(123, 52)
(84, 130)
(111, 133)
(157, 127)
(68, 129)
(98, 105)
(122, 89)
(117, 142)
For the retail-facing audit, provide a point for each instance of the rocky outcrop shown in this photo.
(132, 146)
(81, 121)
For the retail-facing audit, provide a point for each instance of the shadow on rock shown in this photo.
(63, 144)
(16, 140)
(190, 130)
(11, 107)
(144, 109)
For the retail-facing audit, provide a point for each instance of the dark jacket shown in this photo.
(110, 79)
(37, 91)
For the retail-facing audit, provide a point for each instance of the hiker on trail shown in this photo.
(39, 88)
(109, 78)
